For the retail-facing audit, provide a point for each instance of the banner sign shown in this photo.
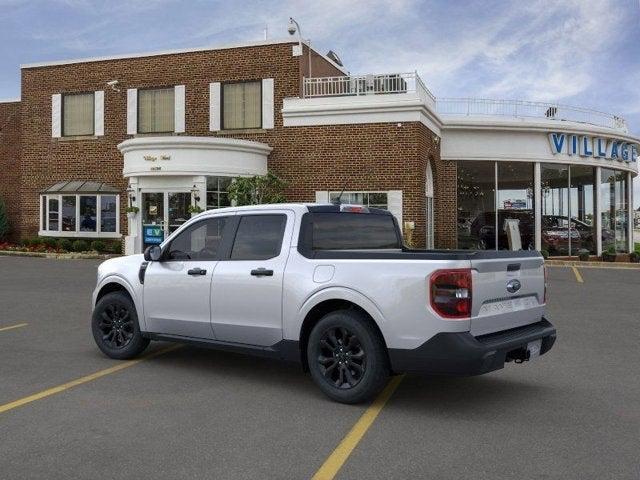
(596, 147)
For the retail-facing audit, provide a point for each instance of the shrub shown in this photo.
(98, 246)
(49, 242)
(583, 254)
(544, 253)
(25, 242)
(80, 246)
(65, 244)
(634, 257)
(115, 247)
(35, 241)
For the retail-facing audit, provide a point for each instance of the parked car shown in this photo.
(331, 287)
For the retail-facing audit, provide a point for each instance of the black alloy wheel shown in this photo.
(116, 326)
(341, 359)
(347, 357)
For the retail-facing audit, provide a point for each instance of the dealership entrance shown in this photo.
(167, 175)
(162, 214)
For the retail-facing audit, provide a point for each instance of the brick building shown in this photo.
(165, 131)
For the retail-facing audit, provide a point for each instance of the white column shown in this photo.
(598, 218)
(537, 203)
(630, 243)
(133, 242)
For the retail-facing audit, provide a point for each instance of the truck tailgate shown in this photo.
(508, 292)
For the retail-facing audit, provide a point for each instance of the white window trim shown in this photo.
(45, 232)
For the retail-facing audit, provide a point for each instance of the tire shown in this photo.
(115, 328)
(357, 372)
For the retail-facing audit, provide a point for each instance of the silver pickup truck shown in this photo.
(329, 286)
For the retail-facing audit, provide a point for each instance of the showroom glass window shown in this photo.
(555, 208)
(515, 206)
(582, 196)
(217, 192)
(78, 114)
(242, 105)
(156, 110)
(614, 214)
(476, 205)
(80, 214)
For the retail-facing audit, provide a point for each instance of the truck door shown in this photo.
(246, 290)
(177, 289)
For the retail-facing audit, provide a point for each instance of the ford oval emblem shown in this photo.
(513, 286)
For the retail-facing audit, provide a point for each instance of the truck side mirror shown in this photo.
(153, 253)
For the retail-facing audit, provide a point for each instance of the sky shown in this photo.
(577, 52)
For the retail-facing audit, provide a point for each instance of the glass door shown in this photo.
(153, 219)
(178, 210)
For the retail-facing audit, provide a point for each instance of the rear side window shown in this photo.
(259, 237)
(354, 231)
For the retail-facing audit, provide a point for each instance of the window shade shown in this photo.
(156, 110)
(78, 114)
(242, 104)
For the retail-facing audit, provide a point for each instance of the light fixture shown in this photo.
(195, 192)
(132, 194)
(292, 29)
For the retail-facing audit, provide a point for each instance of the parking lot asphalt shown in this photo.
(197, 413)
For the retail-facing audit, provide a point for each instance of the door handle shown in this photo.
(262, 272)
(197, 271)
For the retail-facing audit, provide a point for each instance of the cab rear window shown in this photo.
(353, 231)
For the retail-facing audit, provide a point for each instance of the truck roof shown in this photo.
(298, 207)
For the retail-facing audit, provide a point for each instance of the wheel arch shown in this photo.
(331, 300)
(117, 284)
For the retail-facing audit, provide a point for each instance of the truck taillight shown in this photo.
(451, 293)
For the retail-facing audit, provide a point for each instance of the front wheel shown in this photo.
(115, 328)
(346, 357)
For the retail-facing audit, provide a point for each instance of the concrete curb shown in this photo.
(574, 263)
(59, 256)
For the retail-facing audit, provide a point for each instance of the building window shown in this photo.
(79, 215)
(368, 199)
(217, 196)
(241, 105)
(516, 204)
(156, 110)
(78, 114)
(614, 210)
(476, 205)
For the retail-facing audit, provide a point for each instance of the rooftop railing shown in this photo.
(356, 85)
(526, 109)
(399, 83)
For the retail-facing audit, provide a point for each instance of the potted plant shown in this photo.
(610, 254)
(132, 211)
(544, 253)
(583, 255)
(194, 210)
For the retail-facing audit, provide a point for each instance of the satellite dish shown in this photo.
(334, 56)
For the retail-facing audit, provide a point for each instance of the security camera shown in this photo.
(292, 27)
(113, 84)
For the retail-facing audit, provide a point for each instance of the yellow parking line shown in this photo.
(577, 274)
(19, 325)
(74, 383)
(333, 464)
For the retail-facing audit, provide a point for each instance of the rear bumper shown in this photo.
(464, 354)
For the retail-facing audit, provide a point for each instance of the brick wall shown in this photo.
(353, 157)
(9, 161)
